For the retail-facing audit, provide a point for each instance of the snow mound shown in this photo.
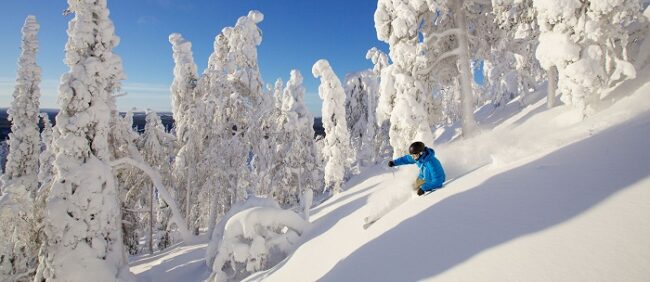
(255, 239)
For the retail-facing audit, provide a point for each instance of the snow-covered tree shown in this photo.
(511, 68)
(46, 158)
(405, 99)
(185, 79)
(296, 169)
(156, 146)
(587, 41)
(236, 108)
(24, 139)
(123, 144)
(384, 103)
(361, 90)
(338, 154)
(19, 239)
(83, 230)
(252, 106)
(186, 110)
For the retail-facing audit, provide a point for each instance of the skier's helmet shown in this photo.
(416, 149)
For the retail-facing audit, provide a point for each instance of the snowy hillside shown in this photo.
(538, 111)
(561, 200)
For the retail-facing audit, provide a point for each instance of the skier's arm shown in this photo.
(404, 160)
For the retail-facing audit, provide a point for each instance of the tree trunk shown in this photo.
(188, 193)
(465, 78)
(164, 194)
(151, 220)
(552, 87)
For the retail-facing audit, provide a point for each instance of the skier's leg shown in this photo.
(417, 184)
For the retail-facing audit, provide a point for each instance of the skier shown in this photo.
(431, 176)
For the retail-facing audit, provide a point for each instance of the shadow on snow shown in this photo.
(550, 191)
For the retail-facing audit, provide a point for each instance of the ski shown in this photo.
(368, 223)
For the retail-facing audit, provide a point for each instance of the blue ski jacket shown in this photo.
(430, 169)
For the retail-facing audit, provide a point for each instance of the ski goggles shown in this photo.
(416, 156)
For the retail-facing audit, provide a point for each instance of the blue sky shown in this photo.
(296, 33)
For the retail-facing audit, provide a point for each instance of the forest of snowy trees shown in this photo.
(241, 165)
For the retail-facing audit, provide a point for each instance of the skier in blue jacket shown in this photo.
(431, 176)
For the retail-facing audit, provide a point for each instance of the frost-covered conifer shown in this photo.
(296, 154)
(123, 144)
(361, 90)
(253, 106)
(46, 158)
(232, 88)
(429, 46)
(19, 237)
(405, 98)
(24, 139)
(83, 230)
(511, 67)
(337, 151)
(185, 108)
(156, 146)
(384, 101)
(243, 40)
(587, 41)
(185, 79)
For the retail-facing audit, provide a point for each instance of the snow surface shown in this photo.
(562, 200)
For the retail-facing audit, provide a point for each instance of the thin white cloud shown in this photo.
(139, 95)
(145, 87)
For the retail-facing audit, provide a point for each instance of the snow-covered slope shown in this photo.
(561, 199)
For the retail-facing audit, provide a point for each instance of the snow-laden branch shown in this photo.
(446, 55)
(449, 54)
(157, 182)
(448, 32)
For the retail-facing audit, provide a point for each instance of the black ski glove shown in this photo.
(420, 192)
(391, 164)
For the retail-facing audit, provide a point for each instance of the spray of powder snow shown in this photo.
(457, 159)
(393, 192)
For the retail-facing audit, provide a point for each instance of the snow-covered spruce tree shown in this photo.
(234, 109)
(233, 89)
(185, 79)
(360, 106)
(216, 88)
(19, 238)
(295, 151)
(384, 103)
(511, 63)
(429, 41)
(46, 158)
(24, 140)
(122, 144)
(398, 23)
(82, 222)
(253, 106)
(156, 146)
(337, 152)
(587, 42)
(273, 134)
(185, 107)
